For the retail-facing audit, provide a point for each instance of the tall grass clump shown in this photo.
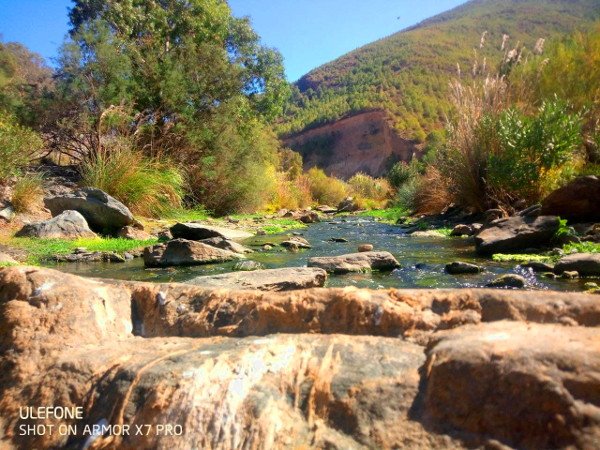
(27, 192)
(150, 187)
(18, 146)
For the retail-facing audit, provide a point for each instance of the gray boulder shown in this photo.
(67, 225)
(181, 252)
(459, 268)
(198, 231)
(586, 264)
(102, 212)
(510, 281)
(516, 233)
(226, 244)
(286, 279)
(355, 262)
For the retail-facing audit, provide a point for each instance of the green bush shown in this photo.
(18, 145)
(150, 187)
(369, 188)
(324, 189)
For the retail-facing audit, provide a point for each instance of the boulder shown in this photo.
(7, 213)
(67, 225)
(181, 252)
(338, 239)
(197, 232)
(348, 205)
(528, 386)
(226, 244)
(510, 281)
(297, 242)
(516, 233)
(462, 230)
(578, 201)
(87, 257)
(355, 262)
(459, 268)
(427, 234)
(537, 266)
(325, 209)
(134, 234)
(309, 217)
(586, 264)
(102, 212)
(362, 248)
(286, 279)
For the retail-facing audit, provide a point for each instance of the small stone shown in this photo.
(261, 233)
(338, 239)
(247, 266)
(459, 268)
(7, 213)
(538, 266)
(462, 230)
(570, 275)
(590, 285)
(508, 281)
(550, 275)
(267, 247)
(296, 241)
(363, 248)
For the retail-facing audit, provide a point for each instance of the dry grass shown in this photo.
(28, 192)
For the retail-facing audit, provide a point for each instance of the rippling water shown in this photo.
(422, 260)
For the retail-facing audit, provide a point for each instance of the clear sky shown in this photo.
(307, 32)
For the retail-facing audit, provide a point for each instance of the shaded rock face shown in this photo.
(578, 201)
(215, 363)
(585, 264)
(265, 280)
(197, 232)
(67, 225)
(101, 211)
(181, 252)
(355, 262)
(365, 142)
(133, 233)
(516, 233)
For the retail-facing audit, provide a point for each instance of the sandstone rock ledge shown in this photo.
(249, 369)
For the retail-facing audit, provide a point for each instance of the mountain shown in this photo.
(405, 77)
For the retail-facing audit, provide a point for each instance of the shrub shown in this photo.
(18, 145)
(27, 192)
(402, 172)
(291, 194)
(324, 189)
(150, 187)
(368, 187)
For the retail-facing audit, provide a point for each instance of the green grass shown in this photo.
(389, 215)
(280, 225)
(40, 249)
(521, 258)
(186, 215)
(582, 247)
(7, 264)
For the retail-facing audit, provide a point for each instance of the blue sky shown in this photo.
(307, 32)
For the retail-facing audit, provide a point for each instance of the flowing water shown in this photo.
(422, 260)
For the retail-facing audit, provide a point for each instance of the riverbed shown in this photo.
(422, 259)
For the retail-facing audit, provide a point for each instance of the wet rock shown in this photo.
(133, 233)
(587, 264)
(101, 211)
(325, 209)
(462, 230)
(267, 247)
(164, 235)
(532, 211)
(516, 233)
(348, 205)
(67, 225)
(427, 234)
(296, 242)
(87, 257)
(508, 281)
(181, 252)
(338, 239)
(286, 279)
(196, 232)
(362, 248)
(492, 215)
(570, 275)
(309, 217)
(578, 201)
(476, 375)
(226, 244)
(247, 266)
(459, 268)
(355, 262)
(537, 266)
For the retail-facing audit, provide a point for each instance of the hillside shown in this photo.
(407, 74)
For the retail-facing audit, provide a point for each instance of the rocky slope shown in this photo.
(319, 368)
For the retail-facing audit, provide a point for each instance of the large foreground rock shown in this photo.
(67, 225)
(578, 201)
(102, 212)
(586, 264)
(516, 233)
(529, 386)
(214, 362)
(181, 252)
(287, 279)
(197, 232)
(355, 262)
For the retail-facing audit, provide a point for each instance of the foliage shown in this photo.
(407, 73)
(150, 187)
(41, 249)
(582, 247)
(326, 190)
(521, 258)
(27, 192)
(389, 215)
(18, 145)
(369, 192)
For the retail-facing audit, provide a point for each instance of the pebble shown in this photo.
(365, 248)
